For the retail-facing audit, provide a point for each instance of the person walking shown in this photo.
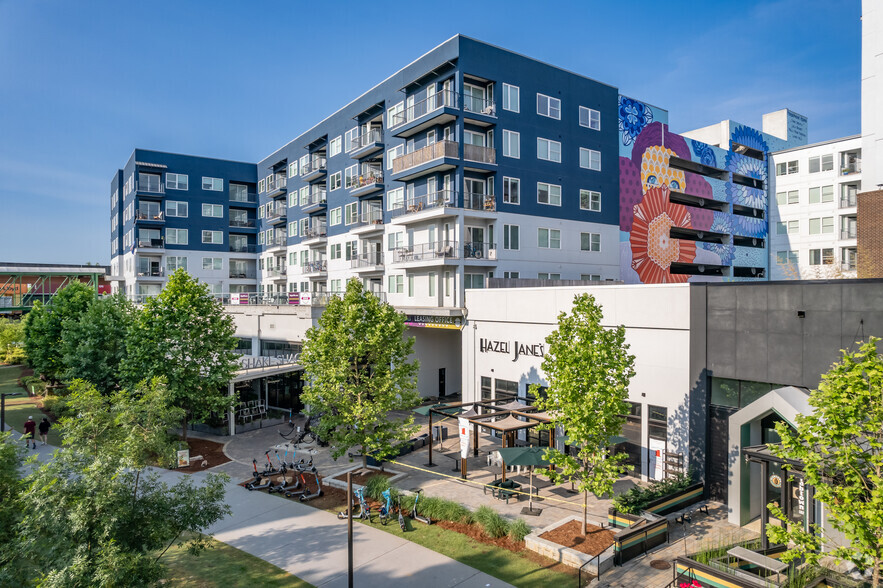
(30, 428)
(44, 430)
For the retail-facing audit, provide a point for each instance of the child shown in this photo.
(44, 430)
(30, 426)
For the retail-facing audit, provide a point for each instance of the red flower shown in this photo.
(653, 250)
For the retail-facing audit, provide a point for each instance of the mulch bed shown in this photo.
(210, 451)
(568, 535)
(361, 477)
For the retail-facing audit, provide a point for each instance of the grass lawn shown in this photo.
(19, 408)
(494, 561)
(223, 566)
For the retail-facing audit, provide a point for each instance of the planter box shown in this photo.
(673, 502)
(565, 555)
(330, 481)
(619, 519)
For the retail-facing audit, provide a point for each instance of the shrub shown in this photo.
(518, 530)
(636, 499)
(442, 509)
(493, 524)
(375, 486)
(33, 383)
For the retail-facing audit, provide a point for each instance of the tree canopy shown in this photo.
(588, 368)
(841, 447)
(356, 371)
(183, 335)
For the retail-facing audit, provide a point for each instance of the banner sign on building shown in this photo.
(183, 458)
(463, 425)
(434, 322)
(294, 298)
(306, 298)
(243, 298)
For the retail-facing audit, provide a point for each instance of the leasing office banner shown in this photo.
(463, 425)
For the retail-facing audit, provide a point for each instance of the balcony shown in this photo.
(277, 215)
(479, 154)
(242, 274)
(276, 186)
(369, 222)
(317, 202)
(849, 266)
(366, 184)
(314, 267)
(485, 202)
(150, 216)
(242, 223)
(368, 262)
(478, 251)
(157, 187)
(148, 273)
(423, 207)
(426, 254)
(848, 233)
(849, 200)
(438, 157)
(479, 110)
(437, 109)
(150, 243)
(244, 197)
(243, 248)
(367, 143)
(274, 242)
(314, 236)
(277, 273)
(313, 170)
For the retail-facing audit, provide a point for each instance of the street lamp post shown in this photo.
(3, 408)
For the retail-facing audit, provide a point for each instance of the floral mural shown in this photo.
(653, 250)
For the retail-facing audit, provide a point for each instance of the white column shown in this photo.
(231, 416)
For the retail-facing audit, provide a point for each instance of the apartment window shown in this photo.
(590, 118)
(545, 276)
(824, 224)
(304, 195)
(781, 228)
(261, 238)
(473, 281)
(511, 235)
(590, 242)
(548, 150)
(394, 240)
(548, 194)
(262, 185)
(213, 237)
(349, 139)
(292, 229)
(175, 262)
(449, 283)
(334, 146)
(821, 194)
(176, 236)
(396, 284)
(549, 238)
(176, 181)
(213, 184)
(334, 217)
(334, 181)
(352, 213)
(821, 163)
(395, 199)
(827, 224)
(793, 197)
(827, 162)
(821, 256)
(410, 286)
(793, 167)
(393, 153)
(304, 163)
(786, 257)
(548, 106)
(590, 159)
(292, 169)
(511, 144)
(511, 190)
(395, 115)
(511, 98)
(431, 284)
(213, 210)
(793, 227)
(304, 258)
(335, 286)
(590, 277)
(511, 275)
(334, 251)
(212, 263)
(590, 200)
(177, 209)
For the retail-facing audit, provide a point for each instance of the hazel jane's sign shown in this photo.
(515, 348)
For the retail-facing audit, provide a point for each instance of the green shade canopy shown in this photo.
(523, 456)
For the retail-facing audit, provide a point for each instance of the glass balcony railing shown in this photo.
(149, 215)
(150, 187)
(276, 213)
(243, 248)
(479, 105)
(242, 273)
(426, 252)
(314, 232)
(848, 233)
(277, 241)
(433, 102)
(276, 183)
(367, 138)
(487, 202)
(236, 223)
(316, 164)
(316, 197)
(370, 259)
(277, 272)
(371, 217)
(151, 243)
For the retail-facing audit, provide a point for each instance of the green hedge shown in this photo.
(636, 499)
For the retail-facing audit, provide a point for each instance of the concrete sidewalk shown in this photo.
(312, 545)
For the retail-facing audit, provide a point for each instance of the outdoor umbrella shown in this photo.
(529, 457)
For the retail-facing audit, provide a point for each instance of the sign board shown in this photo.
(294, 298)
(516, 348)
(464, 426)
(306, 298)
(657, 461)
(183, 458)
(434, 322)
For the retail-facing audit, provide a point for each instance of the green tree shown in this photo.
(184, 336)
(11, 486)
(94, 345)
(95, 515)
(357, 370)
(12, 339)
(841, 447)
(588, 368)
(45, 324)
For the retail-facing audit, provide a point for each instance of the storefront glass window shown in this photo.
(725, 392)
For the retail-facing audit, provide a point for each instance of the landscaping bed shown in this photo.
(361, 478)
(211, 452)
(568, 535)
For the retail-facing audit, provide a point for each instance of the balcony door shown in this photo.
(474, 98)
(475, 192)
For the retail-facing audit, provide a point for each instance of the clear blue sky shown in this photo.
(84, 83)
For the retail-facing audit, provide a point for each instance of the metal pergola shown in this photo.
(21, 285)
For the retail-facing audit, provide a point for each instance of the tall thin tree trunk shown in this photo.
(364, 459)
(184, 428)
(875, 579)
(585, 511)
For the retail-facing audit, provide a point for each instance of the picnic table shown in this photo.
(503, 489)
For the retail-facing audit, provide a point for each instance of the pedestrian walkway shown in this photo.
(312, 545)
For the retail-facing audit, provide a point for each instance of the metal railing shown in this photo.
(479, 105)
(372, 217)
(314, 232)
(849, 266)
(242, 224)
(479, 154)
(246, 274)
(429, 153)
(851, 168)
(151, 243)
(147, 215)
(849, 201)
(277, 272)
(276, 213)
(426, 252)
(436, 199)
(368, 179)
(474, 201)
(276, 183)
(429, 104)
(365, 139)
(312, 267)
(278, 241)
(150, 273)
(316, 197)
(314, 165)
(479, 250)
(247, 198)
(370, 259)
(848, 233)
(246, 248)
(150, 187)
